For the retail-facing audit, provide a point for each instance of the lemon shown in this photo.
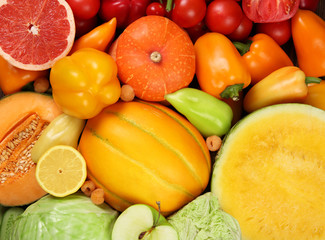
(61, 170)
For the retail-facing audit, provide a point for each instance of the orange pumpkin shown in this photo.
(141, 152)
(155, 56)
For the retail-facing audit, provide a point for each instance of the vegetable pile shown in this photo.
(183, 111)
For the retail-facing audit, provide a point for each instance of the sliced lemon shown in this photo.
(61, 170)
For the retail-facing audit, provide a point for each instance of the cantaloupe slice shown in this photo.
(270, 173)
(23, 117)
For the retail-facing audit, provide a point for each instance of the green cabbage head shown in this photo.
(203, 219)
(73, 217)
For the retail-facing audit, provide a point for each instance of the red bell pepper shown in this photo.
(125, 11)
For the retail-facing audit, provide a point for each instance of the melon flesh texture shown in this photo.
(270, 173)
(24, 116)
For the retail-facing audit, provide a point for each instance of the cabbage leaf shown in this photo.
(73, 217)
(203, 219)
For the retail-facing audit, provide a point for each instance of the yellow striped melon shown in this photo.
(270, 173)
(141, 152)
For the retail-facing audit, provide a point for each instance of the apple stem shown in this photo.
(157, 220)
(141, 236)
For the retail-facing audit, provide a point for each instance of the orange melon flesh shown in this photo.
(270, 173)
(24, 116)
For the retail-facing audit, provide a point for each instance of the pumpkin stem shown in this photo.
(155, 57)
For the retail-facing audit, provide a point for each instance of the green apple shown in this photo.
(141, 221)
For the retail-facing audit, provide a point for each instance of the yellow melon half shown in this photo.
(270, 173)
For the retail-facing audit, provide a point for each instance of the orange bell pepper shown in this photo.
(308, 34)
(220, 70)
(99, 38)
(85, 83)
(284, 85)
(316, 95)
(12, 79)
(262, 55)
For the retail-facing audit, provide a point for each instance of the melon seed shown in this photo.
(16, 147)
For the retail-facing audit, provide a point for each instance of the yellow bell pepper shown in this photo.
(85, 83)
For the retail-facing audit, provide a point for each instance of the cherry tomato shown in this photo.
(84, 9)
(197, 31)
(309, 4)
(188, 13)
(223, 16)
(156, 8)
(85, 25)
(125, 11)
(279, 31)
(242, 31)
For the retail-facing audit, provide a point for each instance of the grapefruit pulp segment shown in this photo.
(35, 33)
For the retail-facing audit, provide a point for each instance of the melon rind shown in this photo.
(270, 173)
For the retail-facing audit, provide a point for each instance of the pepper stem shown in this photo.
(312, 80)
(169, 5)
(155, 57)
(232, 91)
(243, 47)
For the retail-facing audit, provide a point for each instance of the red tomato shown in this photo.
(84, 9)
(197, 31)
(188, 13)
(156, 8)
(309, 4)
(262, 11)
(223, 16)
(125, 11)
(279, 31)
(242, 31)
(85, 25)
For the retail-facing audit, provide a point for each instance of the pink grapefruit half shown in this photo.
(34, 34)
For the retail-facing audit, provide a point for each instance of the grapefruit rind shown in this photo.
(270, 173)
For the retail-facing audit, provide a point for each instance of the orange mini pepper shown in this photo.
(308, 34)
(99, 38)
(316, 95)
(262, 55)
(12, 79)
(220, 70)
(284, 85)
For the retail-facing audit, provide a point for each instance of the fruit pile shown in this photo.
(184, 119)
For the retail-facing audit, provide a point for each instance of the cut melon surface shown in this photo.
(270, 173)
